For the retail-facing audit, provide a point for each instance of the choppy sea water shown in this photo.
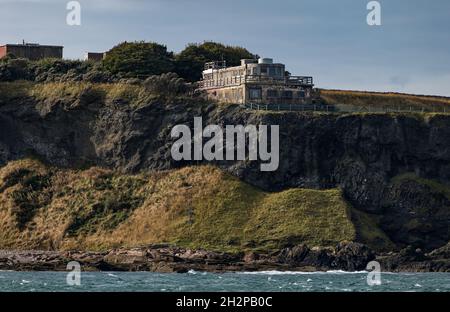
(199, 281)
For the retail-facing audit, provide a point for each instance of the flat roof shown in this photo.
(209, 70)
(30, 45)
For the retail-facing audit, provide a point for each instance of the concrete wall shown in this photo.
(300, 95)
(34, 52)
(94, 56)
(241, 95)
(233, 95)
(269, 82)
(3, 51)
(230, 74)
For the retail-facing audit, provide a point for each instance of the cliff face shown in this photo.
(396, 167)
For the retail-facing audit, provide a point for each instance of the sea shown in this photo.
(333, 281)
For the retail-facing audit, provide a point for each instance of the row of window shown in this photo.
(256, 94)
(273, 71)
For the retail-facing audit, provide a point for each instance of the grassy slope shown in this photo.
(391, 100)
(136, 94)
(432, 185)
(133, 95)
(200, 207)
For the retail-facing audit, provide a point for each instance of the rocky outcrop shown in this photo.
(347, 256)
(416, 213)
(410, 259)
(352, 256)
(360, 153)
(49, 260)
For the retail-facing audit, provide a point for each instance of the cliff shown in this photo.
(383, 178)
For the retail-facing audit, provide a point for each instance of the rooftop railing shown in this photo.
(344, 109)
(238, 80)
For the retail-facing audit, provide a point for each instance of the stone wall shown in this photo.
(241, 94)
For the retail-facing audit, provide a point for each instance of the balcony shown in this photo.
(291, 81)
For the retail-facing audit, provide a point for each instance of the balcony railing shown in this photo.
(301, 80)
(239, 80)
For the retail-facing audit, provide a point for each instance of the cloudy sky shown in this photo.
(329, 39)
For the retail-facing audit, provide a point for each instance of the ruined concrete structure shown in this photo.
(32, 51)
(94, 56)
(255, 82)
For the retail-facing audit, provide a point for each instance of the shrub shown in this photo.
(167, 84)
(56, 70)
(28, 197)
(138, 59)
(190, 62)
(14, 69)
(126, 60)
(96, 75)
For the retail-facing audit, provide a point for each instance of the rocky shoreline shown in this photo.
(346, 256)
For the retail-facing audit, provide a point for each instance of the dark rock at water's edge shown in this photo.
(347, 256)
(414, 260)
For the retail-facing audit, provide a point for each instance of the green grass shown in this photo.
(136, 94)
(427, 203)
(197, 207)
(10, 91)
(390, 100)
(81, 93)
(433, 185)
(369, 232)
(128, 94)
(237, 215)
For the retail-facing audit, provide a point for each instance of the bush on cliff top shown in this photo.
(138, 60)
(190, 62)
(12, 69)
(53, 70)
(126, 60)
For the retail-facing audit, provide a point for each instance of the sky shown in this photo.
(327, 39)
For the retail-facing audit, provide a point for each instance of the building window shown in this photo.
(287, 94)
(279, 72)
(272, 93)
(255, 94)
(263, 70)
(302, 94)
(272, 71)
